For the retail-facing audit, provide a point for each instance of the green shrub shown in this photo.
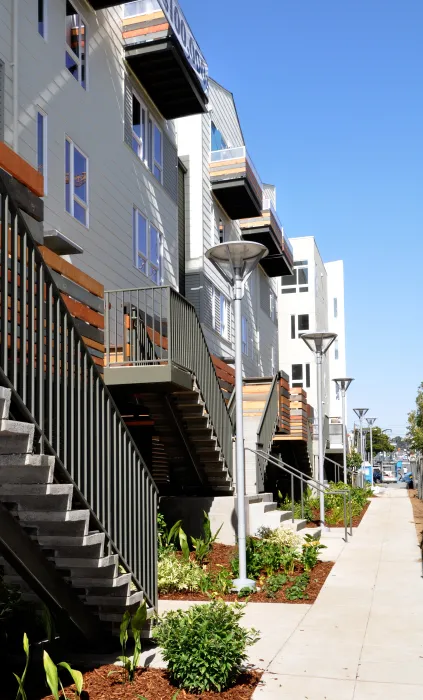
(284, 536)
(203, 545)
(167, 539)
(274, 584)
(175, 574)
(266, 557)
(205, 646)
(310, 552)
(306, 512)
(298, 588)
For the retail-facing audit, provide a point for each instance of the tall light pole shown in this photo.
(235, 261)
(319, 343)
(361, 412)
(343, 385)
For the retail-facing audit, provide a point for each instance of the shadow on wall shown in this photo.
(220, 509)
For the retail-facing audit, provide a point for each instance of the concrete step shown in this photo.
(16, 437)
(76, 564)
(114, 603)
(26, 474)
(18, 460)
(71, 523)
(38, 496)
(117, 618)
(92, 584)
(74, 545)
(259, 517)
(315, 532)
(297, 525)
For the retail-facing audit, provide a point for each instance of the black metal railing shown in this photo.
(57, 387)
(157, 326)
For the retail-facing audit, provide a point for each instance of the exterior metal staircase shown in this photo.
(158, 365)
(77, 502)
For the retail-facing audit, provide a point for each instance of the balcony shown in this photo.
(335, 434)
(235, 183)
(161, 50)
(268, 230)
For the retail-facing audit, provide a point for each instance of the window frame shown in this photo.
(69, 51)
(272, 306)
(142, 142)
(72, 195)
(146, 257)
(154, 163)
(44, 172)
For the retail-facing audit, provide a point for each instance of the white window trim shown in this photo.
(44, 35)
(137, 254)
(74, 197)
(143, 108)
(45, 149)
(73, 55)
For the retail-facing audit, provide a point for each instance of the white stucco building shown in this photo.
(312, 299)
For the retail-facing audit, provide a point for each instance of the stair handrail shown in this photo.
(180, 340)
(341, 466)
(322, 488)
(75, 417)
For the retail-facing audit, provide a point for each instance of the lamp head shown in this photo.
(343, 383)
(319, 342)
(236, 259)
(360, 412)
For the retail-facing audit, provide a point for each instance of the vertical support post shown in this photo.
(344, 437)
(320, 435)
(242, 581)
(361, 440)
(371, 453)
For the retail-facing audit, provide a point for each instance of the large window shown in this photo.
(147, 138)
(76, 43)
(298, 281)
(218, 143)
(42, 146)
(148, 247)
(299, 325)
(42, 25)
(76, 182)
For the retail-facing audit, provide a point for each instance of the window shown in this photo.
(157, 149)
(76, 182)
(307, 375)
(138, 127)
(297, 375)
(292, 327)
(335, 307)
(221, 231)
(303, 322)
(220, 312)
(76, 43)
(218, 143)
(337, 392)
(336, 350)
(272, 360)
(42, 146)
(244, 333)
(298, 281)
(148, 247)
(42, 18)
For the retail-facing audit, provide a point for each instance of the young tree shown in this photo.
(415, 422)
(353, 460)
(381, 441)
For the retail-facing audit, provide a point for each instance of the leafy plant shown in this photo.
(10, 598)
(21, 680)
(297, 591)
(203, 545)
(289, 559)
(273, 584)
(53, 680)
(204, 646)
(246, 592)
(137, 622)
(306, 512)
(176, 574)
(310, 552)
(354, 460)
(167, 539)
(285, 537)
(265, 556)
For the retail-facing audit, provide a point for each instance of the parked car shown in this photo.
(388, 476)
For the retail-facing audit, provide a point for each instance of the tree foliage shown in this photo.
(415, 422)
(381, 441)
(353, 460)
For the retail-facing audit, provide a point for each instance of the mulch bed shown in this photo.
(154, 684)
(356, 519)
(222, 555)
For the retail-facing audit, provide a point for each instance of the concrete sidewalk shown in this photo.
(363, 637)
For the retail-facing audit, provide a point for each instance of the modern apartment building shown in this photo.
(312, 299)
(225, 201)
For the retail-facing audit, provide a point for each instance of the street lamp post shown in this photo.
(361, 412)
(343, 385)
(319, 343)
(235, 261)
(370, 423)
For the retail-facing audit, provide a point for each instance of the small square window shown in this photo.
(303, 322)
(297, 372)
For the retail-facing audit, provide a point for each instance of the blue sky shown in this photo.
(330, 98)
